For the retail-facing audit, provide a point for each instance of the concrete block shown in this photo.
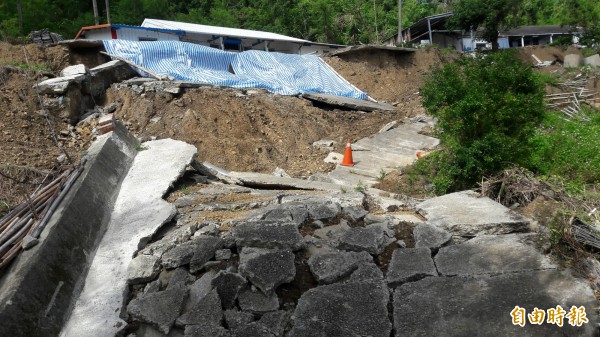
(267, 268)
(593, 60)
(78, 69)
(265, 234)
(573, 61)
(331, 267)
(410, 264)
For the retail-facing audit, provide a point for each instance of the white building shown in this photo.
(224, 38)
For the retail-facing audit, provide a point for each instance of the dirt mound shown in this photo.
(392, 77)
(52, 58)
(255, 131)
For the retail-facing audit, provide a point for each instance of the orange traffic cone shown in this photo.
(347, 161)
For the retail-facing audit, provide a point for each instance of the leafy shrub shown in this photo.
(487, 109)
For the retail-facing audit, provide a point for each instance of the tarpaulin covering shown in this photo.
(284, 74)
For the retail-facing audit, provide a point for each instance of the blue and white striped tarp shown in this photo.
(284, 74)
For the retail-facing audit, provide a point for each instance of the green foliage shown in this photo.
(570, 149)
(487, 109)
(490, 15)
(360, 187)
(38, 67)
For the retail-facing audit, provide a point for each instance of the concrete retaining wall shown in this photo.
(38, 290)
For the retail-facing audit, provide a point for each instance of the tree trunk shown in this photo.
(20, 17)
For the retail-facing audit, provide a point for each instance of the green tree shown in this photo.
(491, 16)
(487, 109)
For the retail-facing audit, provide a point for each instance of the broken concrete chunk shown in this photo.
(205, 250)
(179, 276)
(185, 201)
(179, 255)
(205, 331)
(223, 254)
(253, 329)
(343, 309)
(323, 210)
(451, 304)
(354, 214)
(59, 85)
(324, 144)
(276, 321)
(256, 302)
(200, 288)
(332, 234)
(268, 235)
(143, 269)
(235, 319)
(430, 236)
(370, 239)
(331, 267)
(206, 312)
(267, 268)
(593, 60)
(492, 254)
(228, 287)
(367, 272)
(467, 214)
(159, 309)
(410, 264)
(78, 69)
(573, 61)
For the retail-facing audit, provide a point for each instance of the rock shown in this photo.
(143, 269)
(591, 268)
(332, 233)
(256, 302)
(467, 214)
(275, 321)
(179, 276)
(228, 286)
(205, 250)
(430, 236)
(207, 312)
(146, 330)
(278, 214)
(367, 272)
(267, 268)
(448, 306)
(179, 255)
(253, 329)
(279, 172)
(223, 254)
(401, 243)
(388, 126)
(235, 319)
(185, 201)
(593, 60)
(352, 309)
(410, 264)
(492, 254)
(323, 210)
(211, 229)
(152, 287)
(354, 214)
(268, 235)
(573, 61)
(369, 239)
(159, 309)
(331, 267)
(78, 69)
(200, 288)
(204, 331)
(317, 224)
(372, 218)
(324, 143)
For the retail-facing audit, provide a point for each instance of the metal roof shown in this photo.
(219, 31)
(539, 30)
(116, 26)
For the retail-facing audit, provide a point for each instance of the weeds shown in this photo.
(360, 187)
(140, 147)
(35, 67)
(382, 175)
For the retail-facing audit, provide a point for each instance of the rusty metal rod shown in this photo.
(7, 245)
(70, 181)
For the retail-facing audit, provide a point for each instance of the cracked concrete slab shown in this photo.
(138, 212)
(467, 214)
(481, 306)
(492, 254)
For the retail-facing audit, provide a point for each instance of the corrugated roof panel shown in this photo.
(219, 31)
